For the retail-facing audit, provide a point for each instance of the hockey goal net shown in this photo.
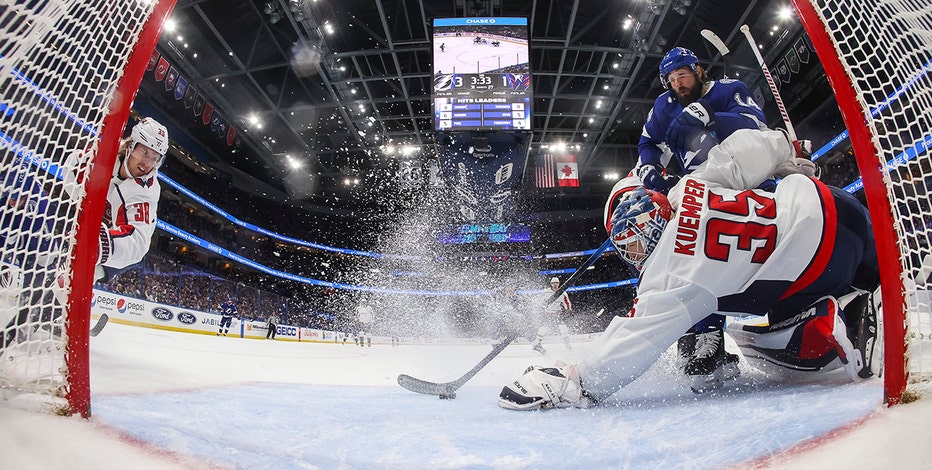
(877, 56)
(69, 70)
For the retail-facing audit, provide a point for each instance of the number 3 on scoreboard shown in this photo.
(740, 228)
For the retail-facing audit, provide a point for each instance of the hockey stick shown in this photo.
(447, 390)
(101, 323)
(773, 85)
(717, 42)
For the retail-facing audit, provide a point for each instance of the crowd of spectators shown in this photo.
(164, 280)
(177, 274)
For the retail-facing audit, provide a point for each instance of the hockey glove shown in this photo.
(653, 179)
(541, 388)
(802, 164)
(694, 119)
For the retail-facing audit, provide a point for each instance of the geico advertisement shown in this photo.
(260, 329)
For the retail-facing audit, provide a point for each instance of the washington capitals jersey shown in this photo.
(723, 251)
(130, 217)
(734, 109)
(558, 306)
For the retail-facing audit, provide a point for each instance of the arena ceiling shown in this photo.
(315, 89)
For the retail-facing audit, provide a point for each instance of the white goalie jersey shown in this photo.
(723, 251)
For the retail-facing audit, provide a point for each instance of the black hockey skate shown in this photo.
(710, 366)
(868, 338)
(686, 347)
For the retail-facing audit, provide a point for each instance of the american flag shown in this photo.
(545, 171)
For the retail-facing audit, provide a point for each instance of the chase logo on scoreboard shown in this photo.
(163, 314)
(187, 318)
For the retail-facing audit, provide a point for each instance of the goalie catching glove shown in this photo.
(541, 388)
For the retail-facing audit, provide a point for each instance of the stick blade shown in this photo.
(101, 323)
(417, 385)
(716, 41)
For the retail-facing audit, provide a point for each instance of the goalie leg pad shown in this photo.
(541, 388)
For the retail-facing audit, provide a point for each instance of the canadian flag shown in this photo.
(567, 171)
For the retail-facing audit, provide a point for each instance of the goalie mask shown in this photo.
(637, 223)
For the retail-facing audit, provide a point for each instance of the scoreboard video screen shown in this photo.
(482, 74)
(494, 232)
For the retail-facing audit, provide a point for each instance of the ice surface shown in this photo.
(172, 400)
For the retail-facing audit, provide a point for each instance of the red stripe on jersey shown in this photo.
(123, 228)
(826, 245)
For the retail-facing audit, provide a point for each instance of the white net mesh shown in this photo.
(886, 47)
(59, 66)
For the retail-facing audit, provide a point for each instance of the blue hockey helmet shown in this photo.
(676, 58)
(641, 216)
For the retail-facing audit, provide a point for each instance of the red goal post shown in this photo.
(69, 70)
(877, 55)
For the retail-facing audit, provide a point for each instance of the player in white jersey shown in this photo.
(365, 315)
(555, 311)
(132, 200)
(788, 254)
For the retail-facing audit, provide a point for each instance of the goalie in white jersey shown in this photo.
(709, 248)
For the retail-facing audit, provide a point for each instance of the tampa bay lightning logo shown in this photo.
(444, 82)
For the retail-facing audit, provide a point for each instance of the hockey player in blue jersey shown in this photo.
(793, 256)
(29, 252)
(694, 114)
(227, 312)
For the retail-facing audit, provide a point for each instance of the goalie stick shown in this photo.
(447, 390)
(101, 323)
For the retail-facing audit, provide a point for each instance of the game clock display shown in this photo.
(482, 77)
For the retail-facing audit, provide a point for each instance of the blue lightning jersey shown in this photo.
(228, 309)
(734, 109)
(26, 219)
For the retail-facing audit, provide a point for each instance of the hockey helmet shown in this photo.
(641, 216)
(623, 186)
(676, 58)
(554, 280)
(152, 134)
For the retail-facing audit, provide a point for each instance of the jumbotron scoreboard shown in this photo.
(482, 76)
